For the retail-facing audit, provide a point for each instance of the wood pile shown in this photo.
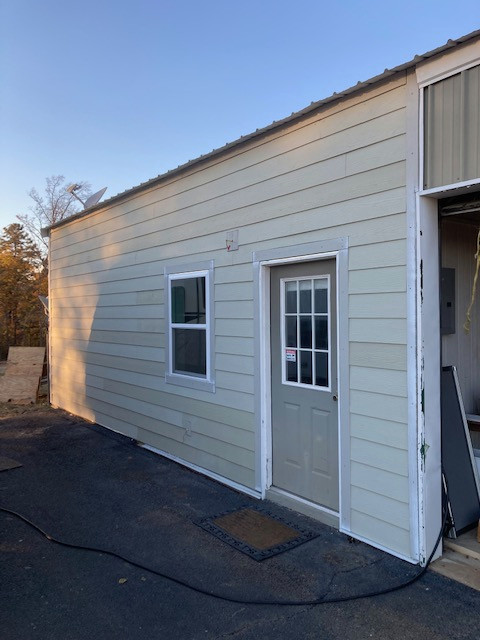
(21, 381)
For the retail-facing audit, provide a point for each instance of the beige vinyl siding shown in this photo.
(452, 129)
(338, 173)
(341, 117)
(368, 379)
(379, 355)
(397, 537)
(387, 432)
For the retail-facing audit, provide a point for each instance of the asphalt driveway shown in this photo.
(88, 486)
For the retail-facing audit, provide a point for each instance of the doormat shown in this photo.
(8, 463)
(256, 532)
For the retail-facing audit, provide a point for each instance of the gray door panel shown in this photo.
(304, 381)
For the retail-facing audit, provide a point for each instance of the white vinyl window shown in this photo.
(306, 332)
(189, 329)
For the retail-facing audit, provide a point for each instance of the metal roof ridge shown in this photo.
(313, 106)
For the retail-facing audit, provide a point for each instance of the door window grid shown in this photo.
(306, 332)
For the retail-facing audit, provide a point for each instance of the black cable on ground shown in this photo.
(291, 603)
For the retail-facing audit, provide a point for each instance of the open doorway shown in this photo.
(459, 220)
(460, 339)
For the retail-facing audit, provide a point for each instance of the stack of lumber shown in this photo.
(21, 380)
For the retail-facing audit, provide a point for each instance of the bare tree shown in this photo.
(54, 205)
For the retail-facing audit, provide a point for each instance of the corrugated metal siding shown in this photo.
(452, 129)
(339, 173)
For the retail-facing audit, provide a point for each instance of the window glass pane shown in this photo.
(292, 375)
(305, 296)
(189, 351)
(291, 331)
(291, 297)
(188, 300)
(321, 332)
(321, 302)
(321, 369)
(306, 332)
(306, 367)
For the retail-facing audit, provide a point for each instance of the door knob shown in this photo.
(335, 397)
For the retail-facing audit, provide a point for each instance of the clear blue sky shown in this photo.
(117, 92)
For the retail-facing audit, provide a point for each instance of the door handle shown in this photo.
(335, 397)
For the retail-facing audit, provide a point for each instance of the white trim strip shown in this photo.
(261, 474)
(294, 259)
(303, 252)
(429, 368)
(379, 546)
(191, 267)
(205, 472)
(414, 116)
(343, 375)
(443, 190)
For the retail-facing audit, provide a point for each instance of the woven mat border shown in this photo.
(304, 535)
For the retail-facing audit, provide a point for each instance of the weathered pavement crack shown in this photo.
(250, 625)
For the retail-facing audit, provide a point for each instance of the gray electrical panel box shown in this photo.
(447, 301)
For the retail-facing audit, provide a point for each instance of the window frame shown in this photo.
(183, 272)
(298, 349)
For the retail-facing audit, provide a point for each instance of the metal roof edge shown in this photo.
(313, 106)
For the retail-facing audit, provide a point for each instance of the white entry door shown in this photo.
(304, 381)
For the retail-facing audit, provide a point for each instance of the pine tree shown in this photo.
(22, 279)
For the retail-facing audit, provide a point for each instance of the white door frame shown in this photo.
(336, 248)
(429, 359)
(422, 204)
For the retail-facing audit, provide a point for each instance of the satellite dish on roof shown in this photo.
(91, 200)
(44, 301)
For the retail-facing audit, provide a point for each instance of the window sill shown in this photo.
(201, 384)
